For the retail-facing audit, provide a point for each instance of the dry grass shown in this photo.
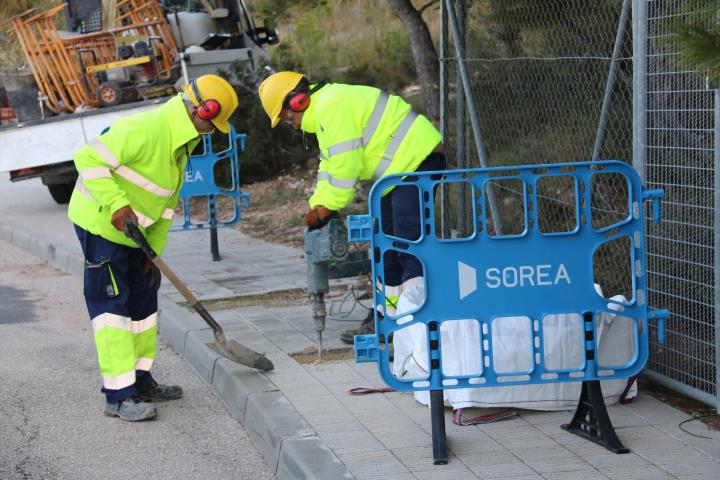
(278, 208)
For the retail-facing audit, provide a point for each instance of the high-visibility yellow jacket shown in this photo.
(138, 162)
(363, 133)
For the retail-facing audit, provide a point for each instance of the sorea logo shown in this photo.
(527, 276)
(191, 177)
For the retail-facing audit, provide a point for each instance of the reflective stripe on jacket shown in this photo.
(138, 162)
(363, 133)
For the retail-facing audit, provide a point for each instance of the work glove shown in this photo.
(150, 267)
(118, 218)
(318, 217)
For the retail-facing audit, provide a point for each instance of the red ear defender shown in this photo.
(299, 102)
(209, 109)
(206, 109)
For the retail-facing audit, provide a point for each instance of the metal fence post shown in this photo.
(472, 110)
(460, 116)
(639, 20)
(612, 77)
(444, 130)
(716, 239)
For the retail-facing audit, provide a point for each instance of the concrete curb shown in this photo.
(281, 435)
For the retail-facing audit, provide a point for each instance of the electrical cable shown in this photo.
(690, 420)
(482, 419)
(339, 315)
(366, 390)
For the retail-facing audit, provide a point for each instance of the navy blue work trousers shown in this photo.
(119, 299)
(400, 213)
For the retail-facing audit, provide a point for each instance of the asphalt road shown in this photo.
(51, 421)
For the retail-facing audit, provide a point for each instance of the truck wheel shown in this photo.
(61, 192)
(109, 94)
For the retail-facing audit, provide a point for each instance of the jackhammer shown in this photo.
(323, 246)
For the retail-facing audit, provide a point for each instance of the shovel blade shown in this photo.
(241, 354)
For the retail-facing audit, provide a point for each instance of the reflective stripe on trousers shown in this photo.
(123, 346)
(123, 309)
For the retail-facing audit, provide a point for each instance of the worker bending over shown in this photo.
(363, 133)
(134, 171)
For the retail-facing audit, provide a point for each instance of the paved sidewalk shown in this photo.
(300, 416)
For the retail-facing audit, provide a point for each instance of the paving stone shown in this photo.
(309, 458)
(64, 254)
(174, 322)
(648, 407)
(587, 474)
(22, 238)
(6, 233)
(76, 266)
(326, 424)
(649, 472)
(234, 383)
(511, 468)
(608, 460)
(451, 471)
(40, 247)
(270, 419)
(351, 441)
(199, 355)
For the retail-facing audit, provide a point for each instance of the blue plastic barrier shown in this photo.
(200, 182)
(518, 269)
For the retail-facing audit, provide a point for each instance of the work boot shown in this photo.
(151, 391)
(130, 410)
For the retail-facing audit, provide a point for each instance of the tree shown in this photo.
(423, 50)
(697, 39)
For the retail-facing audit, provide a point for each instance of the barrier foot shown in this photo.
(591, 420)
(437, 417)
(214, 249)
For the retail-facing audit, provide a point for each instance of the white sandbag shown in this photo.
(461, 355)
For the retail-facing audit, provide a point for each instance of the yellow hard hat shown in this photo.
(274, 90)
(218, 99)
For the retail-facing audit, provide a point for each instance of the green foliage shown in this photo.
(697, 39)
(269, 151)
(280, 11)
(343, 41)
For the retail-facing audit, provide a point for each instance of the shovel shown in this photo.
(229, 349)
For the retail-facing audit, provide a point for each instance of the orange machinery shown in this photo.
(67, 69)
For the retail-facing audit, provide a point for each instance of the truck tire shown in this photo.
(61, 192)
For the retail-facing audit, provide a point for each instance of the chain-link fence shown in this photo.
(553, 81)
(680, 157)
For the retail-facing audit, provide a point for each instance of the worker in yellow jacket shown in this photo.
(134, 170)
(363, 134)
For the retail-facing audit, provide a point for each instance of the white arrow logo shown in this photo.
(467, 277)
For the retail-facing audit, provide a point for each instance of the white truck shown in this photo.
(44, 147)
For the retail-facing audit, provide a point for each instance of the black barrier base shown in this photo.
(437, 418)
(591, 420)
(214, 250)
